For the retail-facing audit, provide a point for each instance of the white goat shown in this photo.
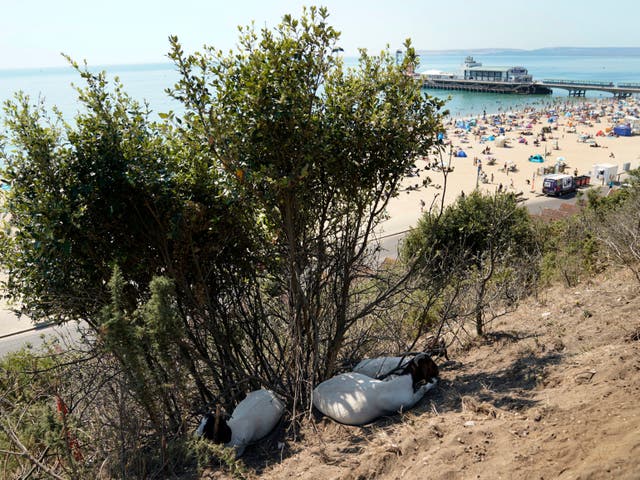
(253, 418)
(356, 399)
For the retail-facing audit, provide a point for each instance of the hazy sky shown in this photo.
(34, 32)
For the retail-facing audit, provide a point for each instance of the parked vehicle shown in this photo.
(558, 184)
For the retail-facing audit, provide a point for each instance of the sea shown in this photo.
(148, 82)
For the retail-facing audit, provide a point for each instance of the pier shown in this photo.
(578, 88)
(477, 78)
(522, 88)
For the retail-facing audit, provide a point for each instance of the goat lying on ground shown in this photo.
(356, 399)
(382, 367)
(253, 418)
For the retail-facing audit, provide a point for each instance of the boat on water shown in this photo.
(477, 78)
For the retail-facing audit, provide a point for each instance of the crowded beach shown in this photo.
(512, 151)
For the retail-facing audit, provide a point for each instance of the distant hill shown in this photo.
(558, 51)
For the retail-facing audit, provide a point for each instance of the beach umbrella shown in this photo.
(536, 158)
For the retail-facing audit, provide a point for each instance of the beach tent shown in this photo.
(461, 154)
(536, 158)
(622, 130)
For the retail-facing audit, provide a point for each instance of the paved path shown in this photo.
(10, 323)
(535, 204)
(66, 333)
(16, 332)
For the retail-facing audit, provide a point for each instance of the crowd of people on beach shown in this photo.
(547, 127)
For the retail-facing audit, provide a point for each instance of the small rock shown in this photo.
(546, 314)
(470, 423)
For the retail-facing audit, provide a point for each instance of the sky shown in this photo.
(33, 33)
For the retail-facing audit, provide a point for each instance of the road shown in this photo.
(535, 204)
(9, 323)
(11, 342)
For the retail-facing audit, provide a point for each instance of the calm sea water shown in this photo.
(148, 82)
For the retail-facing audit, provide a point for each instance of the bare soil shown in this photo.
(553, 392)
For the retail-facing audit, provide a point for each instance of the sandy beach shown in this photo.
(579, 133)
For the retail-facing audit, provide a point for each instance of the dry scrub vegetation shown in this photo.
(551, 393)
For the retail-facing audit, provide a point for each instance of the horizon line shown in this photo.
(150, 63)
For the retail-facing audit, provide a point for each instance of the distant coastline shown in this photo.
(461, 52)
(559, 51)
(65, 69)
